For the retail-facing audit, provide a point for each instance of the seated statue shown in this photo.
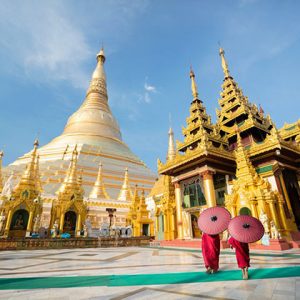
(19, 224)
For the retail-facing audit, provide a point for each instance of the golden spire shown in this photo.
(98, 82)
(37, 174)
(98, 190)
(194, 86)
(135, 197)
(224, 63)
(1, 183)
(244, 168)
(125, 193)
(28, 178)
(171, 149)
(29, 173)
(71, 179)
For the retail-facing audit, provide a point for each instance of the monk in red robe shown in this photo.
(242, 255)
(211, 252)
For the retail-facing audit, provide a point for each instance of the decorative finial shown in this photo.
(194, 86)
(224, 63)
(101, 56)
(36, 143)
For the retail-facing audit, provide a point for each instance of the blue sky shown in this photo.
(47, 55)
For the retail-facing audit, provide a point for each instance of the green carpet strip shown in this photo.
(142, 279)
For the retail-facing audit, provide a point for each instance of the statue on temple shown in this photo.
(265, 221)
(2, 222)
(37, 223)
(19, 224)
(85, 230)
(54, 230)
(274, 231)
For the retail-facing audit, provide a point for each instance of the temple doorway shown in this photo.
(70, 222)
(146, 229)
(19, 223)
(195, 229)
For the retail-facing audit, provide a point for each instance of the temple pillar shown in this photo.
(156, 226)
(29, 224)
(253, 205)
(274, 213)
(166, 235)
(286, 195)
(78, 225)
(178, 210)
(282, 215)
(209, 189)
(152, 229)
(8, 221)
(61, 223)
(172, 225)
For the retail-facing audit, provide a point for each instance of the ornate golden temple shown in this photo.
(242, 162)
(77, 176)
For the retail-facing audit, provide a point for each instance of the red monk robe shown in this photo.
(211, 251)
(241, 252)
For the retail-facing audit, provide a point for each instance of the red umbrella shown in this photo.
(214, 220)
(246, 229)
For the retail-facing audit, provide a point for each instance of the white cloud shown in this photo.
(49, 41)
(149, 88)
(43, 42)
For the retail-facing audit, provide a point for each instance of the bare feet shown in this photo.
(245, 273)
(214, 271)
(208, 270)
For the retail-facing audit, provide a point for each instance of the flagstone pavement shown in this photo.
(145, 273)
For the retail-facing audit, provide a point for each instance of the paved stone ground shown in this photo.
(145, 273)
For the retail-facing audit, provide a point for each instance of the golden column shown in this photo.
(166, 231)
(274, 213)
(61, 223)
(253, 204)
(7, 225)
(282, 214)
(209, 189)
(78, 225)
(286, 195)
(172, 220)
(29, 224)
(178, 210)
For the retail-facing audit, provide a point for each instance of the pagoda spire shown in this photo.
(28, 178)
(1, 182)
(97, 84)
(245, 171)
(125, 193)
(224, 63)
(71, 179)
(98, 190)
(171, 148)
(37, 174)
(29, 174)
(193, 84)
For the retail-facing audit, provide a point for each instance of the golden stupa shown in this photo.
(96, 132)
(89, 158)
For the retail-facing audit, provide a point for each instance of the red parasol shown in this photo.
(214, 220)
(246, 229)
